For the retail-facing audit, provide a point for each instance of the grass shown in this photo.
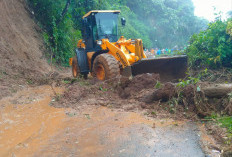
(67, 81)
(2, 73)
(103, 89)
(224, 122)
(158, 85)
(30, 82)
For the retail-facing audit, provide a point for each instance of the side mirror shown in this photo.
(123, 20)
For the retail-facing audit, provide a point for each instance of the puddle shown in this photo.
(24, 127)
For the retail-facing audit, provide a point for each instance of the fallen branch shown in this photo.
(218, 90)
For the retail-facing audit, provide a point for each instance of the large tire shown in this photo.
(105, 67)
(75, 68)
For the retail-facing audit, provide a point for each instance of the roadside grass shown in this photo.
(30, 82)
(224, 122)
(2, 73)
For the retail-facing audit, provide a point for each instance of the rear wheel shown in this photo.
(105, 67)
(75, 68)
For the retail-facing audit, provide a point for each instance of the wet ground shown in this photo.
(29, 126)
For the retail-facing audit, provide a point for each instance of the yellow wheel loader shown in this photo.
(106, 56)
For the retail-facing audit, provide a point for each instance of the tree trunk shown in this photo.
(65, 10)
(218, 90)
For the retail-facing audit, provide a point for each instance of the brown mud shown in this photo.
(131, 87)
(30, 126)
(22, 60)
(27, 120)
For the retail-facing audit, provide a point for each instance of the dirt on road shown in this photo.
(30, 126)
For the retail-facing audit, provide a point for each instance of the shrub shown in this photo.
(212, 47)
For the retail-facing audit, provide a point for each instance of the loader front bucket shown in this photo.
(169, 68)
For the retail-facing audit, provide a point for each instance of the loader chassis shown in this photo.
(101, 53)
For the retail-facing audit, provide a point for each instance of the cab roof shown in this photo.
(101, 11)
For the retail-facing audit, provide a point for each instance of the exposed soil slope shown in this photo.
(21, 46)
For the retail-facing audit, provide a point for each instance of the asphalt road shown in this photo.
(105, 133)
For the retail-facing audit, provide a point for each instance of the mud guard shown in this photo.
(169, 68)
(82, 61)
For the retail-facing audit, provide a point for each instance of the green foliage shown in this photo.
(172, 104)
(229, 28)
(211, 47)
(225, 122)
(60, 38)
(158, 85)
(103, 89)
(160, 23)
(30, 82)
(190, 80)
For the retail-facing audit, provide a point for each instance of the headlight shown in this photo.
(99, 42)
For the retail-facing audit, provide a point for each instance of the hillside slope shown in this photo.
(21, 47)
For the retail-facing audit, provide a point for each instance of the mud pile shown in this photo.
(21, 47)
(123, 93)
(132, 87)
(82, 93)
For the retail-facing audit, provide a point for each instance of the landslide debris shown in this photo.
(140, 92)
(164, 94)
(21, 48)
(124, 93)
(131, 87)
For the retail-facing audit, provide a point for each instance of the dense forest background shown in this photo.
(159, 23)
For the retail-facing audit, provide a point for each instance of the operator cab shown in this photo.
(100, 25)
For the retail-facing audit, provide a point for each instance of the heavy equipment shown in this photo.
(106, 56)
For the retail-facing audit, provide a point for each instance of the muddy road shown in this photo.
(30, 126)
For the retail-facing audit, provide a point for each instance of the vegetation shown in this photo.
(160, 23)
(212, 47)
(60, 36)
(224, 122)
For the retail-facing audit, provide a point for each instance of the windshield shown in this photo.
(107, 26)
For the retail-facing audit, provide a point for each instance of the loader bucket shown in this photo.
(169, 68)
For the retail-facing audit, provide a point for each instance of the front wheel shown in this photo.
(105, 67)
